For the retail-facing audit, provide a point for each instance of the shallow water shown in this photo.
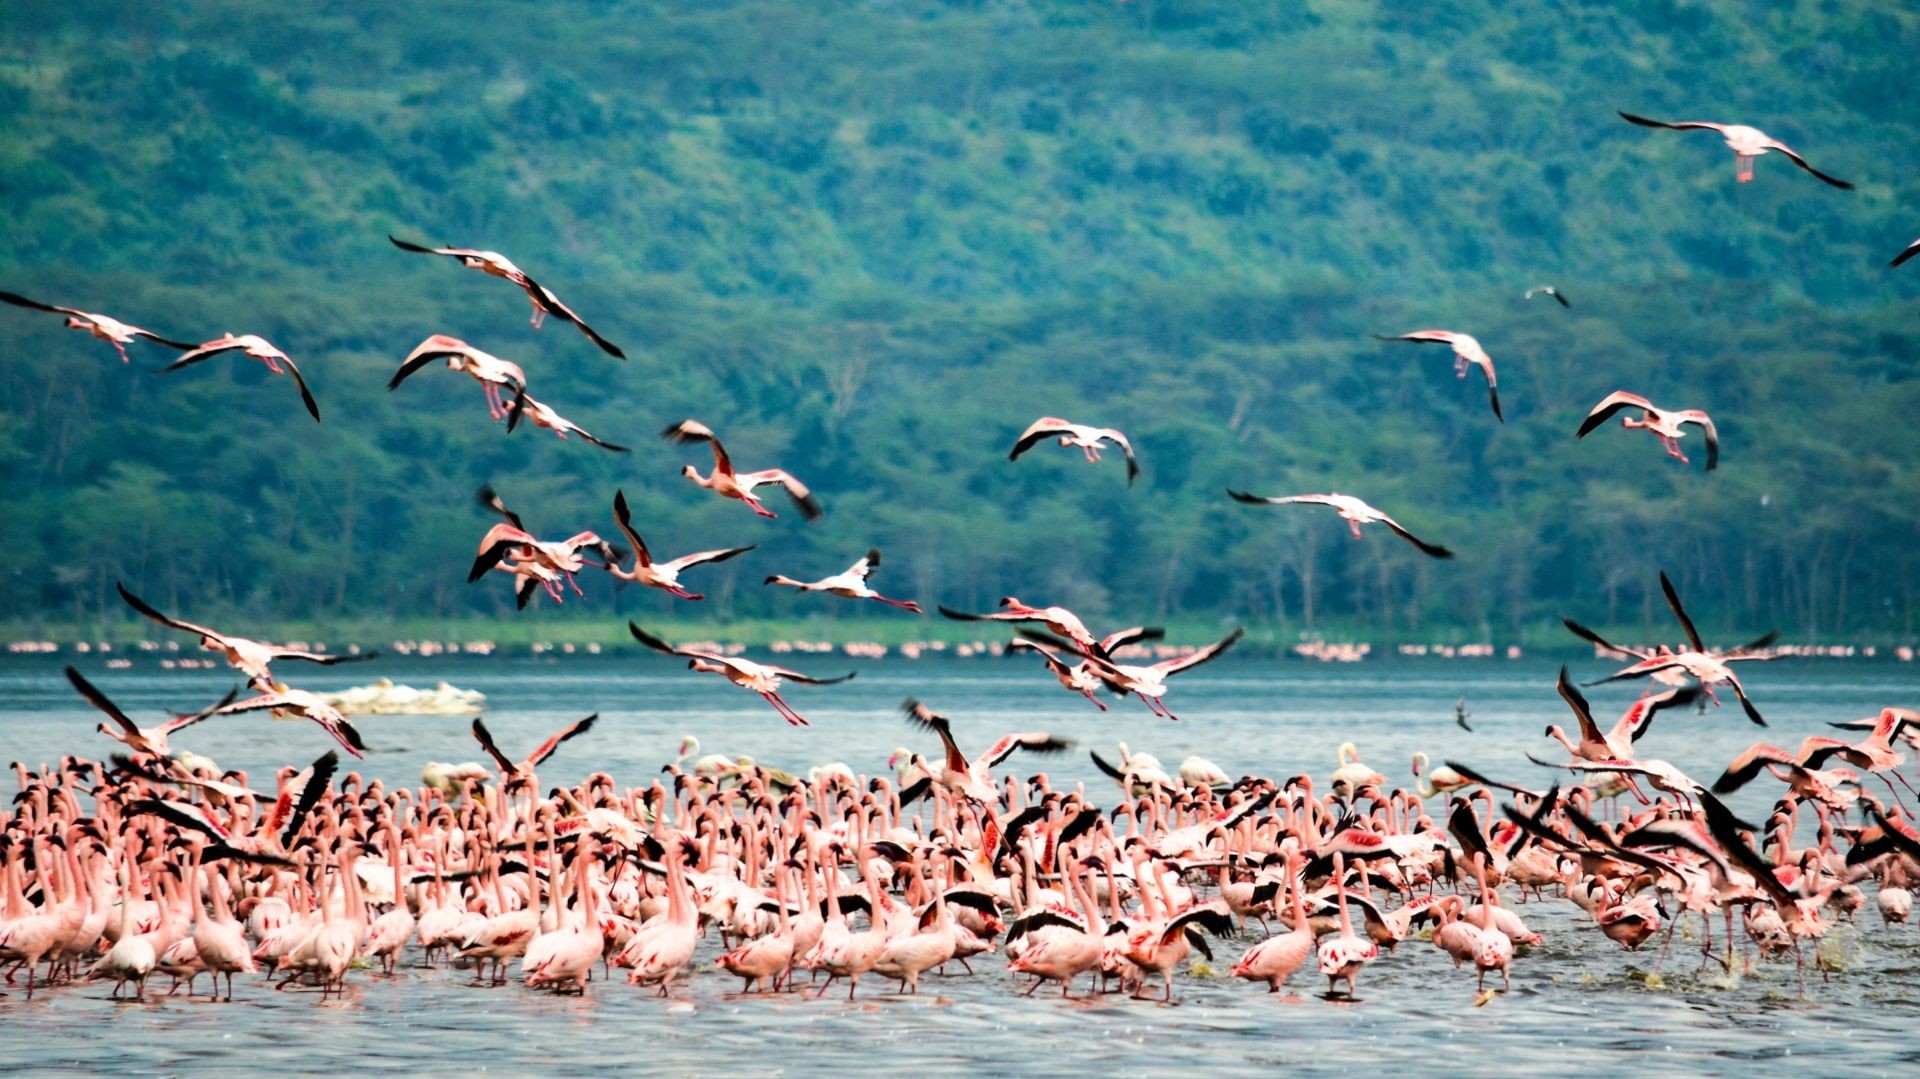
(1577, 997)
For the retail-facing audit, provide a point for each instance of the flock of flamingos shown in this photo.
(157, 862)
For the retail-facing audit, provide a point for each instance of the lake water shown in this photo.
(1577, 998)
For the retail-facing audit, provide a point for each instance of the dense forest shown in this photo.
(870, 242)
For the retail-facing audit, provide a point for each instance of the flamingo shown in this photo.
(1077, 677)
(111, 330)
(850, 584)
(974, 778)
(761, 678)
(249, 345)
(249, 657)
(564, 958)
(1466, 351)
(490, 371)
(724, 481)
(1746, 143)
(1343, 959)
(1548, 290)
(1351, 775)
(494, 264)
(283, 700)
(1148, 682)
(1352, 510)
(543, 416)
(1665, 424)
(543, 563)
(140, 739)
(1088, 439)
(662, 575)
(1711, 668)
(1275, 959)
(523, 769)
(1057, 620)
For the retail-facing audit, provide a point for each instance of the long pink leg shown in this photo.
(1097, 702)
(121, 349)
(1354, 527)
(759, 509)
(903, 604)
(1742, 168)
(539, 313)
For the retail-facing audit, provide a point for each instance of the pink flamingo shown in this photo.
(111, 330)
(249, 345)
(1466, 351)
(1666, 425)
(1746, 143)
(727, 483)
(494, 264)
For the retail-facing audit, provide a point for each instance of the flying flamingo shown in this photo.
(246, 656)
(1711, 668)
(1548, 290)
(1076, 677)
(544, 416)
(724, 481)
(283, 700)
(1088, 439)
(851, 584)
(762, 678)
(974, 778)
(492, 372)
(1354, 511)
(523, 770)
(1746, 143)
(546, 563)
(135, 737)
(661, 575)
(249, 345)
(1148, 682)
(111, 330)
(495, 264)
(1057, 620)
(1666, 425)
(1466, 350)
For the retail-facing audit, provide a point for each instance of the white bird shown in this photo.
(544, 416)
(1550, 291)
(850, 584)
(1466, 350)
(1088, 439)
(1746, 143)
(1355, 512)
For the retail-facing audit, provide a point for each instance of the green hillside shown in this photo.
(871, 242)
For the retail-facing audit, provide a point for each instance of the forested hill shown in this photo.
(870, 242)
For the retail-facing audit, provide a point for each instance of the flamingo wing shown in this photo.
(1911, 250)
(1610, 405)
(551, 302)
(99, 700)
(1039, 431)
(1131, 635)
(306, 395)
(206, 351)
(1776, 144)
(802, 497)
(1684, 125)
(546, 748)
(1194, 659)
(624, 518)
(664, 648)
(701, 557)
(1680, 613)
(1032, 741)
(1591, 637)
(1589, 730)
(864, 568)
(807, 679)
(18, 300)
(1421, 337)
(1126, 448)
(1287, 500)
(485, 738)
(1433, 550)
(1705, 423)
(688, 432)
(141, 605)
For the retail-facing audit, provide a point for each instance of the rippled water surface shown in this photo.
(1578, 1000)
